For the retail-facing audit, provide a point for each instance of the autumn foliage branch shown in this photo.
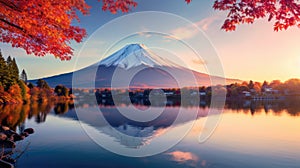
(285, 13)
(45, 27)
(41, 27)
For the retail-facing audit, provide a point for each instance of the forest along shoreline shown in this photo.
(15, 89)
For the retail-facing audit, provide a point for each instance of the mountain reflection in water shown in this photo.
(16, 114)
(58, 134)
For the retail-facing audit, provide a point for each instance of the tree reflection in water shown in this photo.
(14, 116)
(12, 126)
(289, 105)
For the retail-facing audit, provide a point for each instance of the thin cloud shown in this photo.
(205, 23)
(189, 31)
(186, 32)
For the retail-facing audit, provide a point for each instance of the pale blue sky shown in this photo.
(251, 52)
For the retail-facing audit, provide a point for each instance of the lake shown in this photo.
(249, 134)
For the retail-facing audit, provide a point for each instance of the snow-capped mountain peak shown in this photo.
(133, 55)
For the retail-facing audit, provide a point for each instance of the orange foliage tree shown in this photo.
(45, 27)
(12, 96)
(42, 27)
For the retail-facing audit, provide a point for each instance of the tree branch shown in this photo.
(13, 25)
(11, 5)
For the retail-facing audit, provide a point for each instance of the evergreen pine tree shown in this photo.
(4, 77)
(15, 70)
(8, 60)
(23, 76)
(10, 75)
(2, 68)
(16, 89)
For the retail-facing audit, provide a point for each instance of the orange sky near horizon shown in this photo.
(256, 52)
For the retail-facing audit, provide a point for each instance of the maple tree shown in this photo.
(45, 27)
(286, 13)
(41, 27)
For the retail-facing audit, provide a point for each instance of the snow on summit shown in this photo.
(133, 55)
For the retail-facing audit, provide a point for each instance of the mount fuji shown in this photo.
(134, 55)
(134, 66)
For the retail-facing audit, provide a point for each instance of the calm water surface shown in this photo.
(266, 136)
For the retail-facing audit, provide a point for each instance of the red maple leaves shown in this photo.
(285, 12)
(41, 27)
(45, 27)
(115, 5)
(188, 1)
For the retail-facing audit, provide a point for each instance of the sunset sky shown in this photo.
(252, 52)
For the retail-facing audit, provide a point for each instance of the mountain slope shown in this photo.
(134, 55)
(135, 66)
